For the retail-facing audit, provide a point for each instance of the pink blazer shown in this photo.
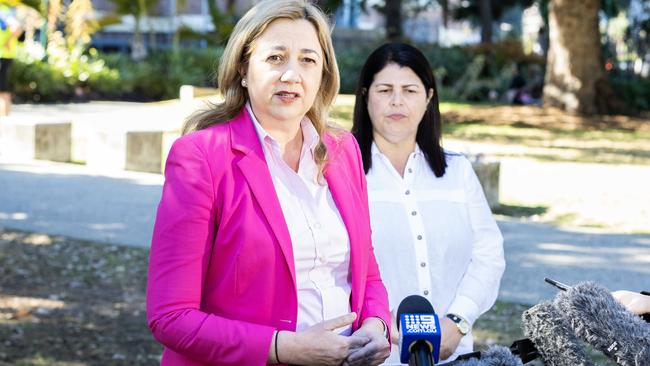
(221, 270)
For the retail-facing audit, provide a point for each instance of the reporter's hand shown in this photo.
(318, 345)
(638, 304)
(450, 338)
(376, 351)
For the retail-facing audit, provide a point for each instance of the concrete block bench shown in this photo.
(29, 140)
(488, 173)
(146, 151)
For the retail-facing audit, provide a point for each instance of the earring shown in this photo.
(244, 83)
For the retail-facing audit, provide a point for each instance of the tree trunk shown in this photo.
(486, 21)
(393, 20)
(575, 76)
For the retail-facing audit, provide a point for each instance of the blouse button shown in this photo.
(413, 213)
(407, 192)
(423, 264)
(419, 237)
(425, 292)
(410, 170)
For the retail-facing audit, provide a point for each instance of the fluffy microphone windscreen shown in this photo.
(493, 356)
(550, 333)
(603, 322)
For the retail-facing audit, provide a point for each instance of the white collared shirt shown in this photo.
(435, 237)
(321, 246)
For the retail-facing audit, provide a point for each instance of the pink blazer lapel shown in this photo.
(256, 172)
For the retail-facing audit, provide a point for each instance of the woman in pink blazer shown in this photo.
(261, 250)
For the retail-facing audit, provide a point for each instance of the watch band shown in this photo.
(462, 324)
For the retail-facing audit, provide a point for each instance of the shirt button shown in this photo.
(410, 170)
(407, 192)
(419, 237)
(425, 292)
(413, 213)
(423, 264)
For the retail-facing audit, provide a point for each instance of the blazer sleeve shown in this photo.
(479, 286)
(375, 303)
(184, 232)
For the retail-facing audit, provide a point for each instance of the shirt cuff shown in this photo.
(466, 308)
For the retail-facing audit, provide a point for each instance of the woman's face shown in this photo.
(285, 70)
(397, 101)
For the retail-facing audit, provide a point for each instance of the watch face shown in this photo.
(463, 326)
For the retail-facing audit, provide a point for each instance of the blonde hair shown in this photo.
(237, 53)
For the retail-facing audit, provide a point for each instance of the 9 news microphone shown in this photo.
(603, 322)
(553, 337)
(419, 340)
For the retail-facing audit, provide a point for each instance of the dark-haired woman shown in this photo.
(432, 229)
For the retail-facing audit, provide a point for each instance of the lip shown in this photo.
(287, 96)
(396, 116)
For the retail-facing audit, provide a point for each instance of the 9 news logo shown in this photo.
(420, 323)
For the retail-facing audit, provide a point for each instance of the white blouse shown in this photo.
(321, 246)
(435, 237)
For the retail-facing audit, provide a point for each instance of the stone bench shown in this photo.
(146, 151)
(45, 141)
(488, 173)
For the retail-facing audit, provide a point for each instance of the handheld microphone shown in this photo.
(553, 337)
(603, 322)
(419, 340)
(493, 356)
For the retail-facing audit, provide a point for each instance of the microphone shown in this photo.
(552, 336)
(419, 340)
(493, 356)
(603, 322)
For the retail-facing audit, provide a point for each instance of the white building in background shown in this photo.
(351, 22)
(426, 27)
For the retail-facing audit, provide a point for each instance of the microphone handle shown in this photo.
(421, 355)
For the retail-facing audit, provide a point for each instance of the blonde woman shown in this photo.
(261, 250)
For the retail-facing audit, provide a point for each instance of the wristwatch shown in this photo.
(462, 324)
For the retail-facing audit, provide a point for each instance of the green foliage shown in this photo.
(112, 76)
(59, 79)
(161, 75)
(462, 73)
(635, 91)
(471, 9)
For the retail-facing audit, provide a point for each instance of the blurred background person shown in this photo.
(432, 229)
(10, 31)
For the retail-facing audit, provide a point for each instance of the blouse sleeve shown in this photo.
(479, 286)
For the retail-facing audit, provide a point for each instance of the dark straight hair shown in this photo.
(429, 130)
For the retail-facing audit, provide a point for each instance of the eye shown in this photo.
(274, 58)
(411, 91)
(383, 91)
(309, 60)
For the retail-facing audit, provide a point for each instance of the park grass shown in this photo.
(539, 133)
(68, 302)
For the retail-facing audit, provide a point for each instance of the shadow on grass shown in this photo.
(519, 211)
(66, 302)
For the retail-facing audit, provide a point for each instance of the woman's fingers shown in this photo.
(341, 321)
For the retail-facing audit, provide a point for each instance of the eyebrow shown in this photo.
(303, 50)
(391, 85)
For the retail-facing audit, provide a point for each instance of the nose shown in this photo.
(396, 98)
(290, 74)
